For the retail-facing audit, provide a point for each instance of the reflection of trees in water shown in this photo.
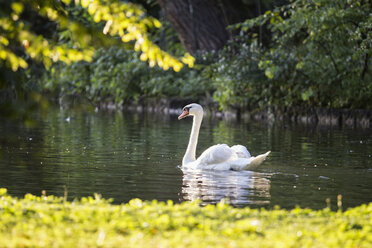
(20, 154)
(89, 152)
(239, 187)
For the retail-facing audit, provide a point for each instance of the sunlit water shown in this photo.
(125, 155)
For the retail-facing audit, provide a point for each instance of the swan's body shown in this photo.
(217, 157)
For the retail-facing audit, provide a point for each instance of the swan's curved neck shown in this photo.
(193, 141)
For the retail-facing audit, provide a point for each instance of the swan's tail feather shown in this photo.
(256, 161)
(248, 163)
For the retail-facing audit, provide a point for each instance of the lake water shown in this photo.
(126, 155)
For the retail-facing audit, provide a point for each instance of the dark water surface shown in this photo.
(126, 155)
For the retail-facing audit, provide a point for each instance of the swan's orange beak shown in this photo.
(184, 114)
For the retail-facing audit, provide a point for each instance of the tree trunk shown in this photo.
(201, 24)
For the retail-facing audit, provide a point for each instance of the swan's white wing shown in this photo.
(241, 151)
(216, 154)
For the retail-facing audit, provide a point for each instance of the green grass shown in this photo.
(49, 221)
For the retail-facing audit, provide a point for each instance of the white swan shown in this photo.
(217, 157)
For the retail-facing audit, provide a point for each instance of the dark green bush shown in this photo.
(318, 55)
(116, 75)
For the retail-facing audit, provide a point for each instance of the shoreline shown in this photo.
(353, 118)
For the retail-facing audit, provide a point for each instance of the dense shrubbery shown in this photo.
(318, 55)
(116, 75)
(314, 54)
(49, 221)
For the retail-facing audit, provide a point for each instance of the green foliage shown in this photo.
(36, 34)
(17, 33)
(319, 54)
(66, 31)
(128, 21)
(49, 221)
(238, 78)
(116, 76)
(306, 54)
(125, 20)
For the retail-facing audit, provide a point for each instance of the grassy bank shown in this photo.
(49, 221)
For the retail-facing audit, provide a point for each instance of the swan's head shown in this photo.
(191, 110)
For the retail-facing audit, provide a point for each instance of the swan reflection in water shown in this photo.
(241, 188)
